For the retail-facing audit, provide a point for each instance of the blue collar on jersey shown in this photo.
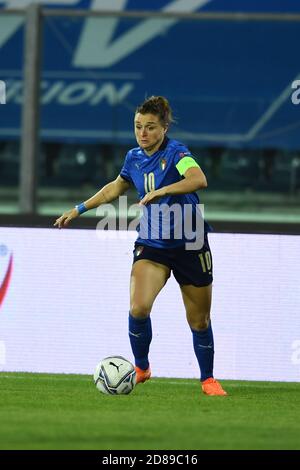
(162, 146)
(164, 143)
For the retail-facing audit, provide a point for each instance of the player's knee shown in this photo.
(140, 310)
(200, 323)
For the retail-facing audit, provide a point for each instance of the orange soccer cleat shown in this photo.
(212, 387)
(142, 375)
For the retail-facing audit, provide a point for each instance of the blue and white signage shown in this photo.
(230, 83)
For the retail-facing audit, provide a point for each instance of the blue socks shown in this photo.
(204, 349)
(140, 335)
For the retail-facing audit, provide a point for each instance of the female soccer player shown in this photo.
(166, 177)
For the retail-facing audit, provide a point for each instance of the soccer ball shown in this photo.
(115, 375)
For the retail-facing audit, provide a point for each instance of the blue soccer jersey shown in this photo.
(171, 222)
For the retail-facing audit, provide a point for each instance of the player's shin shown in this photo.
(140, 335)
(204, 349)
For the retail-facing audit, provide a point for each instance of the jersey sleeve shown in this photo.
(126, 169)
(184, 160)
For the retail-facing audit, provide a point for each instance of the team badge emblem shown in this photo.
(139, 250)
(163, 164)
(184, 154)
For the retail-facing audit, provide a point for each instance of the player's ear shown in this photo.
(166, 129)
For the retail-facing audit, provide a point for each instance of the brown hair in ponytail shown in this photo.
(159, 106)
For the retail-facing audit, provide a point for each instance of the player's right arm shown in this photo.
(108, 193)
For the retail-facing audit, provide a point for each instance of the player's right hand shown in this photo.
(66, 218)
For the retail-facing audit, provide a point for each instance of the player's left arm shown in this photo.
(194, 179)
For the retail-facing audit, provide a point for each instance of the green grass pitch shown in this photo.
(48, 411)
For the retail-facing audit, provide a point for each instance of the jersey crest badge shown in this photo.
(184, 154)
(163, 164)
(138, 250)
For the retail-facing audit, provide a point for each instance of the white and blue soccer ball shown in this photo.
(115, 375)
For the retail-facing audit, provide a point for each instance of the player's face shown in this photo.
(149, 132)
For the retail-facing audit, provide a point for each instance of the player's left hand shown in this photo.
(152, 196)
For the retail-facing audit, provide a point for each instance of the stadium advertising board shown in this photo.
(66, 305)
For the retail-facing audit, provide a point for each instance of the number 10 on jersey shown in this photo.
(149, 182)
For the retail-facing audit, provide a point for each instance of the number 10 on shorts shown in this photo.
(205, 260)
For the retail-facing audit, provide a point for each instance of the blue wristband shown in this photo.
(81, 208)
